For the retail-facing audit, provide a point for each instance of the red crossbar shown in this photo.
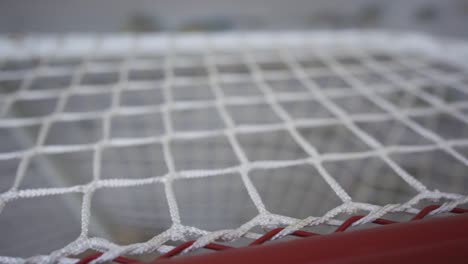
(436, 240)
(434, 233)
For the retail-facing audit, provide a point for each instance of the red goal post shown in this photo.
(438, 240)
(430, 240)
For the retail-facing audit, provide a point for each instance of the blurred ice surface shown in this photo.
(448, 17)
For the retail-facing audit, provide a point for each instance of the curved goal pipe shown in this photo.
(436, 240)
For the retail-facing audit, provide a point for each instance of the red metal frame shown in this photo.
(435, 240)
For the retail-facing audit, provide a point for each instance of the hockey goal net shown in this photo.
(133, 148)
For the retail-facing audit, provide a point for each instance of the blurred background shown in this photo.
(440, 17)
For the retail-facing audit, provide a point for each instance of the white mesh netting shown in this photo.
(130, 144)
